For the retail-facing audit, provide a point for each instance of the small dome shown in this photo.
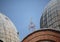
(8, 32)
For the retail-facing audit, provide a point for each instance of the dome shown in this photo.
(8, 32)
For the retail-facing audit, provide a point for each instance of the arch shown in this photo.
(46, 40)
(1, 41)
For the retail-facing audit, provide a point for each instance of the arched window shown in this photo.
(45, 41)
(1, 41)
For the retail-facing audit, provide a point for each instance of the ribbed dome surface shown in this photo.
(8, 32)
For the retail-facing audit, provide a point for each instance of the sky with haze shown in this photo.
(21, 11)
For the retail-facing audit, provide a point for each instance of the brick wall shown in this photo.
(43, 35)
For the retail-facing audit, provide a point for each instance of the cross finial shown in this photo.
(31, 25)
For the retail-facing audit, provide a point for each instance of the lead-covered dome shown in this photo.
(8, 32)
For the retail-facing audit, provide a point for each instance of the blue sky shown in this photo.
(21, 11)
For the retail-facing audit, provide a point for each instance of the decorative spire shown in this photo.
(31, 25)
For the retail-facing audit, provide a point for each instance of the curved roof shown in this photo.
(6, 21)
(8, 29)
(40, 31)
